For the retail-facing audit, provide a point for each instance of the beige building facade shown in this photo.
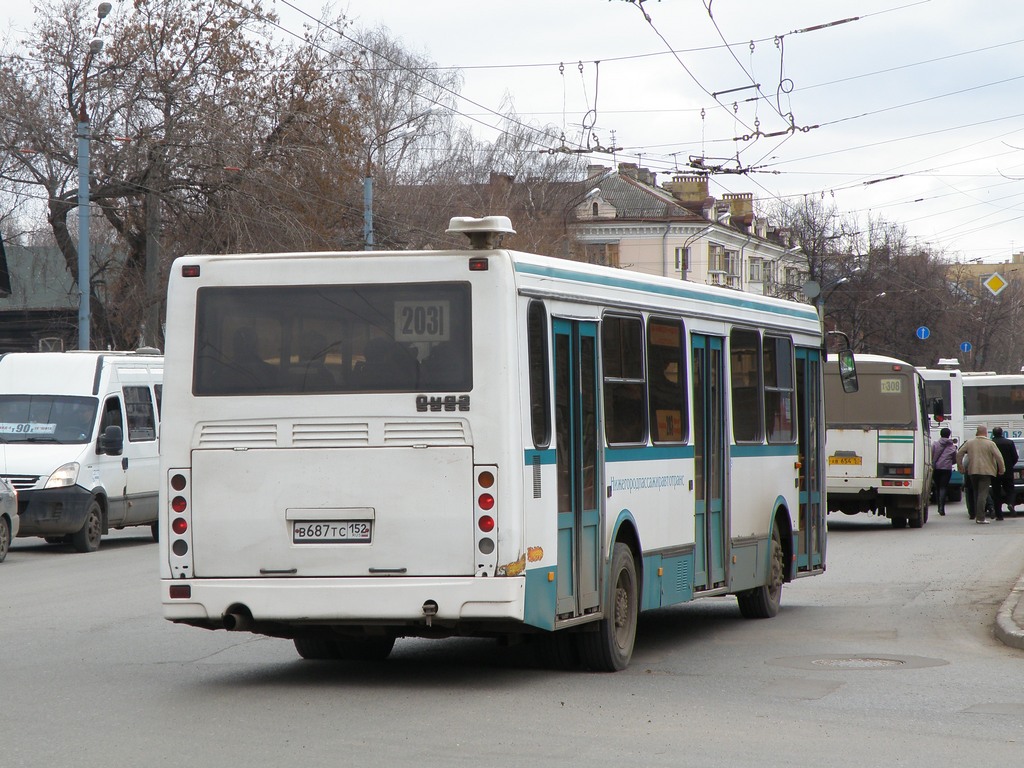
(679, 230)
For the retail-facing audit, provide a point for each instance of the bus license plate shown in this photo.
(331, 531)
(846, 460)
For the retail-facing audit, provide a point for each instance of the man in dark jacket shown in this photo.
(1002, 489)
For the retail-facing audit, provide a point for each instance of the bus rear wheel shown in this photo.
(365, 648)
(610, 648)
(324, 646)
(763, 602)
(317, 647)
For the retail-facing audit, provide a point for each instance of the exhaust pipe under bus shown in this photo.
(237, 621)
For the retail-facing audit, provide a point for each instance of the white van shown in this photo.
(79, 441)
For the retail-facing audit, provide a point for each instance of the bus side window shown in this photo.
(539, 375)
(778, 390)
(622, 344)
(745, 365)
(666, 380)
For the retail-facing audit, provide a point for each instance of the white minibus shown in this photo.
(79, 441)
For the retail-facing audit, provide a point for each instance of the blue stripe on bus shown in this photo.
(743, 451)
(539, 456)
(648, 453)
(896, 438)
(663, 452)
(732, 299)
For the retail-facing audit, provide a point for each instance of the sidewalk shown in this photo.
(1010, 619)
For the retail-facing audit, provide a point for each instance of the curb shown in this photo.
(1007, 628)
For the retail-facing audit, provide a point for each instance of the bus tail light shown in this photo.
(895, 470)
(485, 515)
(179, 528)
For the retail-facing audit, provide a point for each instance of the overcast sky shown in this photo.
(908, 110)
(926, 91)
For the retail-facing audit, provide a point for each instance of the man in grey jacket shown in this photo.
(984, 463)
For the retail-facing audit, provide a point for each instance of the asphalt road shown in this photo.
(889, 659)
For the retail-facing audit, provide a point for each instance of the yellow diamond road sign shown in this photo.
(995, 283)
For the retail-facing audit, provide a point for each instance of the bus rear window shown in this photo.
(883, 400)
(332, 339)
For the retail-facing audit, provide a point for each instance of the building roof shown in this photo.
(633, 199)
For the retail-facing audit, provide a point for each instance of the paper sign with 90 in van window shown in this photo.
(27, 428)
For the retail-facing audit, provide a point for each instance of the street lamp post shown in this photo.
(84, 275)
(368, 176)
(815, 291)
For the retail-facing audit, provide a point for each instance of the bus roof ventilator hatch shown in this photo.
(484, 233)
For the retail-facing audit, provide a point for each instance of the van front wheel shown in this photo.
(87, 538)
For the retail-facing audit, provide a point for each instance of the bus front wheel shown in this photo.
(610, 648)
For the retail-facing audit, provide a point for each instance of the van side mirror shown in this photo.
(111, 442)
(848, 371)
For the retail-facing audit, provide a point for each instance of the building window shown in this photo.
(593, 209)
(602, 253)
(682, 259)
(731, 264)
(756, 270)
(716, 257)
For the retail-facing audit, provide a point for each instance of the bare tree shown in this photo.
(195, 116)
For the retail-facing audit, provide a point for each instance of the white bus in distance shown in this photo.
(368, 446)
(944, 403)
(994, 400)
(879, 442)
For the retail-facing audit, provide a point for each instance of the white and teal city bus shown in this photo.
(359, 447)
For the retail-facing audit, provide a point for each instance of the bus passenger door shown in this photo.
(708, 381)
(811, 438)
(579, 476)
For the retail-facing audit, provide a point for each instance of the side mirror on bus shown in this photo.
(938, 409)
(848, 371)
(111, 442)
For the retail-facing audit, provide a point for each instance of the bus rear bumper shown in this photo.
(297, 601)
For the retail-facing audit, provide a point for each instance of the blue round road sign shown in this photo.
(965, 346)
(923, 332)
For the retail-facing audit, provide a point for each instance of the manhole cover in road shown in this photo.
(858, 662)
(846, 661)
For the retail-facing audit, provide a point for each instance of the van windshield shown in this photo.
(322, 339)
(47, 418)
